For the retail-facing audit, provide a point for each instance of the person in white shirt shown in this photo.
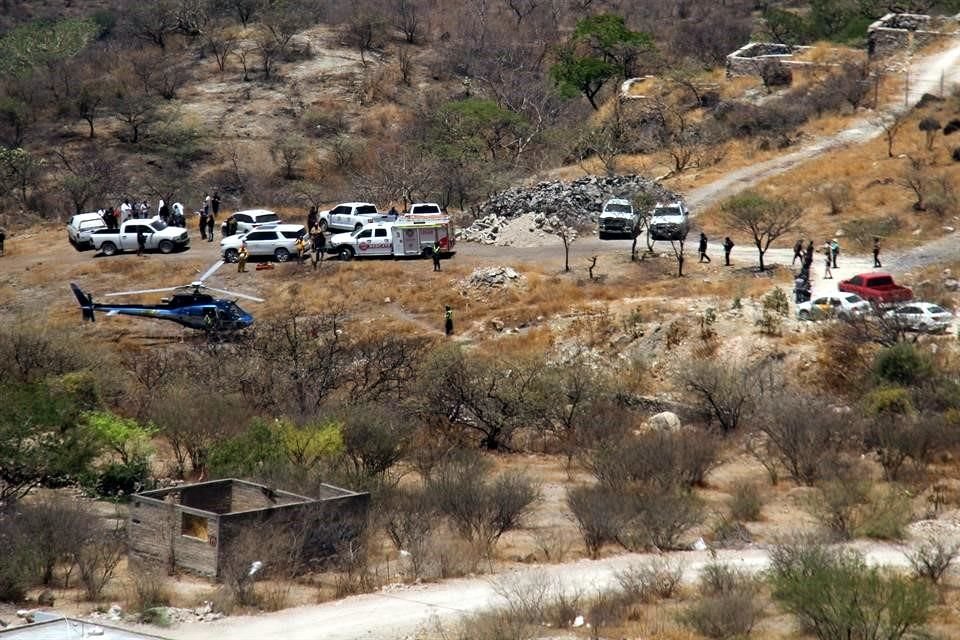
(125, 210)
(159, 206)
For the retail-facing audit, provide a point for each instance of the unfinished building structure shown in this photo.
(195, 527)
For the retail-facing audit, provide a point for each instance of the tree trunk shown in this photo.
(761, 252)
(680, 266)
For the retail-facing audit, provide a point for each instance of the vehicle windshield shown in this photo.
(883, 281)
(427, 208)
(232, 311)
(158, 225)
(619, 208)
(268, 217)
(936, 309)
(367, 208)
(666, 211)
(357, 232)
(853, 299)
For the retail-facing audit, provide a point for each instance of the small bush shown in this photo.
(147, 588)
(835, 595)
(727, 608)
(656, 579)
(661, 518)
(122, 479)
(886, 515)
(903, 364)
(775, 74)
(932, 558)
(746, 502)
(599, 515)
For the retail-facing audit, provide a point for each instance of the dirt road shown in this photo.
(401, 612)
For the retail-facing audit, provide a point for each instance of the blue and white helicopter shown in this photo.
(189, 306)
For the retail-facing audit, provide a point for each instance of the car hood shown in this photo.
(617, 214)
(677, 219)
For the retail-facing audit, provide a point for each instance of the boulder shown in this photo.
(664, 421)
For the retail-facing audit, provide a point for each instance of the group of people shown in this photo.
(727, 248)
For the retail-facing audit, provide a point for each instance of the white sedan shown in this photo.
(921, 316)
(834, 305)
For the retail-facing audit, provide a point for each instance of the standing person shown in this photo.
(876, 253)
(215, 203)
(809, 257)
(727, 248)
(141, 241)
(3, 239)
(828, 254)
(242, 256)
(834, 251)
(125, 210)
(797, 252)
(702, 249)
(447, 320)
(312, 217)
(211, 221)
(160, 205)
(319, 244)
(206, 202)
(301, 249)
(203, 225)
(164, 212)
(436, 257)
(144, 208)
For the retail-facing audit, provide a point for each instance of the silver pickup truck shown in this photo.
(158, 237)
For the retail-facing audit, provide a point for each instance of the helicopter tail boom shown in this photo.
(86, 302)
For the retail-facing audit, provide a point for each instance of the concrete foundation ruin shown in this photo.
(195, 527)
(749, 59)
(897, 32)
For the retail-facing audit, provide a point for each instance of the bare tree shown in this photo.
(678, 249)
(930, 126)
(915, 180)
(765, 219)
(568, 235)
(98, 556)
(289, 152)
(221, 43)
(522, 8)
(407, 18)
(891, 128)
(364, 32)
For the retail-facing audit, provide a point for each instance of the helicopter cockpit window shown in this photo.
(231, 310)
(158, 225)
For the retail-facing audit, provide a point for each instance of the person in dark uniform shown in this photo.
(215, 204)
(702, 249)
(312, 217)
(797, 252)
(141, 241)
(319, 243)
(876, 252)
(211, 221)
(447, 320)
(436, 256)
(727, 248)
(203, 225)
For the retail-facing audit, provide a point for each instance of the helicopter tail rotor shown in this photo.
(86, 302)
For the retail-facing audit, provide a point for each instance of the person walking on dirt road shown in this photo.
(436, 256)
(703, 248)
(211, 221)
(828, 255)
(834, 251)
(876, 253)
(319, 244)
(447, 320)
(797, 252)
(727, 248)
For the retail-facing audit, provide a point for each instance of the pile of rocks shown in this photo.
(542, 208)
(490, 277)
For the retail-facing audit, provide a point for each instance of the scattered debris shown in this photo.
(492, 277)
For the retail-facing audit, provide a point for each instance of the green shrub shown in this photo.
(836, 596)
(257, 450)
(886, 515)
(903, 365)
(119, 479)
(730, 615)
(777, 302)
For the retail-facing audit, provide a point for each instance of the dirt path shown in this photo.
(402, 611)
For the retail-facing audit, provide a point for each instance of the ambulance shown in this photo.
(408, 236)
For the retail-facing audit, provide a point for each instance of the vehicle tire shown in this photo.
(922, 327)
(803, 314)
(323, 226)
(108, 249)
(165, 247)
(231, 255)
(345, 253)
(281, 254)
(358, 226)
(602, 235)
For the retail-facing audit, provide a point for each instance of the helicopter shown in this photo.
(189, 306)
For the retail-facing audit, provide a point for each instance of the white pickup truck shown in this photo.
(669, 221)
(617, 219)
(348, 216)
(158, 236)
(408, 236)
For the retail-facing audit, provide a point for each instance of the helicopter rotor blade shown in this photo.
(134, 293)
(212, 270)
(234, 293)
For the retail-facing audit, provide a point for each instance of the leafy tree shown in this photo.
(478, 126)
(40, 440)
(765, 219)
(258, 449)
(903, 364)
(125, 437)
(19, 172)
(575, 74)
(306, 446)
(41, 43)
(15, 118)
(607, 37)
(375, 439)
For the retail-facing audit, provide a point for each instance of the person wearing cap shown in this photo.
(242, 256)
(834, 251)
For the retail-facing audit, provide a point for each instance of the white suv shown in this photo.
(250, 219)
(277, 240)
